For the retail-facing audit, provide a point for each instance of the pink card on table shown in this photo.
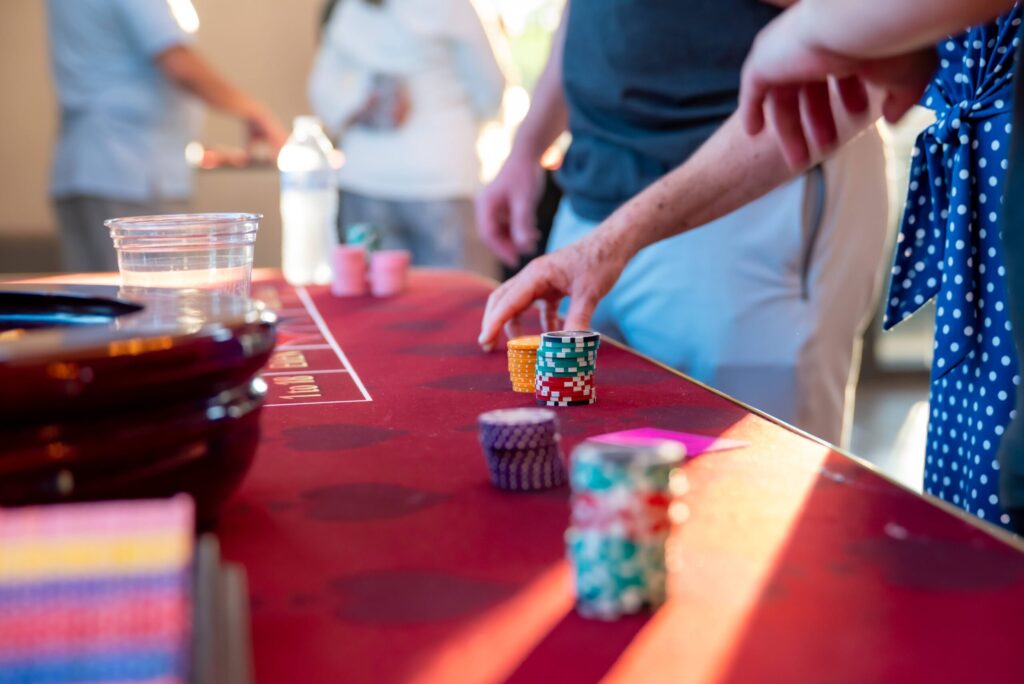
(695, 444)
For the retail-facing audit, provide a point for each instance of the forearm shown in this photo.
(729, 171)
(548, 117)
(191, 72)
(870, 29)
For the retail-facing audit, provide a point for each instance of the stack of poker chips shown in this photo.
(622, 510)
(523, 449)
(566, 361)
(118, 592)
(522, 363)
(365, 235)
(96, 592)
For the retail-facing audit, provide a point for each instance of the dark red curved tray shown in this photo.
(102, 354)
(106, 398)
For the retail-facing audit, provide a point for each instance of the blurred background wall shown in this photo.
(265, 46)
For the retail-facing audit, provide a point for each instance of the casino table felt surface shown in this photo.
(377, 550)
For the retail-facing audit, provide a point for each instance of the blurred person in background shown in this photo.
(768, 300)
(405, 86)
(130, 87)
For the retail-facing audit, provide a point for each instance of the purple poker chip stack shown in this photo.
(523, 449)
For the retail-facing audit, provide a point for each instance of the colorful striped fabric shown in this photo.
(96, 592)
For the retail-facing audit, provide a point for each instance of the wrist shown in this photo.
(527, 148)
(619, 237)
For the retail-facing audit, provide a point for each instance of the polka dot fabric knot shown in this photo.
(949, 250)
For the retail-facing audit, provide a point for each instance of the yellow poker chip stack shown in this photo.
(522, 363)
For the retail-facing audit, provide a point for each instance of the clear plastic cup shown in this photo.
(185, 252)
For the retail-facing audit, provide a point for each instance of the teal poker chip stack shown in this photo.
(566, 363)
(365, 235)
(623, 500)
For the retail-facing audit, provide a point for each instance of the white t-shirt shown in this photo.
(447, 59)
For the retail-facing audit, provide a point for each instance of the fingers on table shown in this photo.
(504, 306)
(581, 310)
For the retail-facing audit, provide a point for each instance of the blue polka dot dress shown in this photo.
(949, 249)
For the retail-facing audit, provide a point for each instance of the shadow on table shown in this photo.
(578, 650)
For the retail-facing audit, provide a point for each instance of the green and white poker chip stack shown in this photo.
(621, 520)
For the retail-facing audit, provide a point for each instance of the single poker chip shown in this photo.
(542, 361)
(571, 395)
(585, 354)
(547, 373)
(565, 357)
(586, 387)
(576, 368)
(568, 346)
(560, 364)
(566, 378)
(566, 396)
(550, 402)
(516, 416)
(570, 378)
(543, 366)
(492, 435)
(527, 343)
(571, 336)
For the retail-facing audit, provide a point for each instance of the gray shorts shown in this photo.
(85, 244)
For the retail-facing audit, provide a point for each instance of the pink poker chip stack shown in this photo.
(389, 270)
(349, 265)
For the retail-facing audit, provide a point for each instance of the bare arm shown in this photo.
(506, 209)
(883, 28)
(186, 68)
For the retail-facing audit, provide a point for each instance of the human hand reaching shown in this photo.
(585, 271)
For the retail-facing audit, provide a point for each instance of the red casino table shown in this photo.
(377, 550)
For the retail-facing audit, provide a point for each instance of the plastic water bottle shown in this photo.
(309, 204)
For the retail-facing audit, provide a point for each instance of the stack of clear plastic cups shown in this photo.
(185, 253)
(622, 514)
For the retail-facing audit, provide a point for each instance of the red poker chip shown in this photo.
(575, 391)
(566, 396)
(564, 383)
